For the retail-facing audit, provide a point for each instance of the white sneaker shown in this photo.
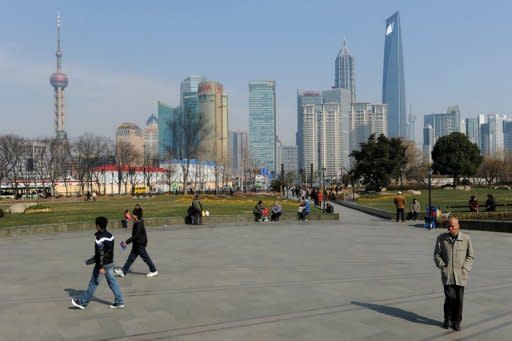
(119, 272)
(152, 274)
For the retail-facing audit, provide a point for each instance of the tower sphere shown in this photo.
(59, 80)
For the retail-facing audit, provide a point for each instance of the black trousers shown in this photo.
(400, 214)
(453, 302)
(139, 251)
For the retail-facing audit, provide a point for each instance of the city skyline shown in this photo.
(120, 67)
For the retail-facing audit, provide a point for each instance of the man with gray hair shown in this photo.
(453, 255)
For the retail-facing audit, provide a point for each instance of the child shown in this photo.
(103, 261)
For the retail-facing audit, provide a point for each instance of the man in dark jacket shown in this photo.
(139, 241)
(103, 261)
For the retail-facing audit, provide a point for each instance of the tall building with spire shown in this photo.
(344, 75)
(59, 81)
(393, 84)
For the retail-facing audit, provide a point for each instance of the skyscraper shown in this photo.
(305, 97)
(428, 143)
(344, 74)
(151, 140)
(262, 123)
(166, 142)
(59, 81)
(393, 85)
(213, 106)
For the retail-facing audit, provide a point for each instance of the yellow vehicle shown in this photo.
(140, 190)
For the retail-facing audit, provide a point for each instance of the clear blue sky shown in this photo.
(123, 56)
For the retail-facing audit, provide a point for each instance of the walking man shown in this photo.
(399, 202)
(453, 255)
(103, 261)
(139, 241)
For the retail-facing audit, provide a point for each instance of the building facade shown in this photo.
(367, 119)
(166, 115)
(151, 154)
(213, 107)
(262, 124)
(131, 134)
(305, 97)
(393, 83)
(342, 97)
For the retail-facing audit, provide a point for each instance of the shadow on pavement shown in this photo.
(76, 293)
(397, 312)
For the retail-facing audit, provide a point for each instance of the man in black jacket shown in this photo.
(139, 241)
(103, 261)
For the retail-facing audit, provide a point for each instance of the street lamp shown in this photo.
(323, 189)
(429, 218)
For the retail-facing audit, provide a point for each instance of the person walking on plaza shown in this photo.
(103, 261)
(399, 202)
(139, 241)
(453, 255)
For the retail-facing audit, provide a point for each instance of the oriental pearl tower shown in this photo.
(59, 81)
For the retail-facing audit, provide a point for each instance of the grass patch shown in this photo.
(75, 210)
(446, 200)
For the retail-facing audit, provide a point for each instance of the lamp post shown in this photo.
(429, 218)
(323, 189)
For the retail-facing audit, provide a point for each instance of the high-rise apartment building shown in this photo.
(151, 140)
(344, 72)
(473, 130)
(308, 149)
(342, 97)
(444, 123)
(213, 106)
(238, 150)
(131, 134)
(507, 140)
(305, 97)
(491, 135)
(393, 83)
(367, 119)
(262, 123)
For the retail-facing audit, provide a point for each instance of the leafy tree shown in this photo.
(455, 155)
(379, 160)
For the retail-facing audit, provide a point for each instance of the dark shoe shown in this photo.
(116, 306)
(456, 326)
(76, 302)
(446, 324)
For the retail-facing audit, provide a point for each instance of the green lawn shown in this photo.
(75, 210)
(445, 199)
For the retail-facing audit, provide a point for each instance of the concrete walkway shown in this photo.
(358, 279)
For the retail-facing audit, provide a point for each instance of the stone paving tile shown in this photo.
(359, 279)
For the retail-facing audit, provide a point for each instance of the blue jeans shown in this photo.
(138, 251)
(95, 281)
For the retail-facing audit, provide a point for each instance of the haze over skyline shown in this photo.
(122, 57)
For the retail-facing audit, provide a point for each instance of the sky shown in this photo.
(121, 57)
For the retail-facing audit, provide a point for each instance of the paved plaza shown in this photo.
(361, 278)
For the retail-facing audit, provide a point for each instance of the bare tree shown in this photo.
(89, 151)
(12, 149)
(190, 133)
(126, 157)
(491, 169)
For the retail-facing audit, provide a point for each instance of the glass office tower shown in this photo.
(262, 123)
(393, 86)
